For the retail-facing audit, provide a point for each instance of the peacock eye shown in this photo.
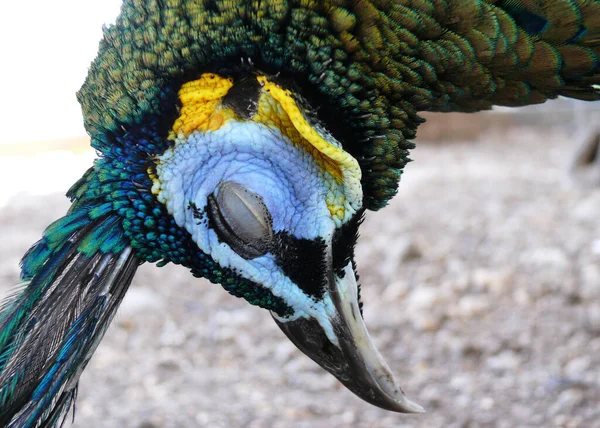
(241, 219)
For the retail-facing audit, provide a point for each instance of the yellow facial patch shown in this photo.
(203, 110)
(201, 105)
(277, 108)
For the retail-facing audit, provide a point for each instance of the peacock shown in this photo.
(245, 141)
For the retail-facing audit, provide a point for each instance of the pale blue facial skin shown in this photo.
(294, 189)
(258, 157)
(289, 180)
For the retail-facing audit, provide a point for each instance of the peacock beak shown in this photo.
(353, 360)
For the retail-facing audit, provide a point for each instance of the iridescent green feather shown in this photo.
(374, 63)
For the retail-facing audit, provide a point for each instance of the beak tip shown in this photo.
(409, 406)
(348, 352)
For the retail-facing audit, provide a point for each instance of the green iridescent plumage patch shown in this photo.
(369, 66)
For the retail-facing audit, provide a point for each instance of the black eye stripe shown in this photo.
(303, 261)
(344, 242)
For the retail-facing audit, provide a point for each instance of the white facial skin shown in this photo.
(289, 180)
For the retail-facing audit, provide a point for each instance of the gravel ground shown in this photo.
(481, 287)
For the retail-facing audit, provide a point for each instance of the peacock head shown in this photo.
(272, 198)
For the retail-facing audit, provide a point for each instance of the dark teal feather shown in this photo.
(49, 330)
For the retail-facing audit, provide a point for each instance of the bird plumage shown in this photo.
(332, 88)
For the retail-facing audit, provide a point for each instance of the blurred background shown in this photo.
(481, 280)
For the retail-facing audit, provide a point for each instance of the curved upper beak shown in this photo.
(353, 360)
